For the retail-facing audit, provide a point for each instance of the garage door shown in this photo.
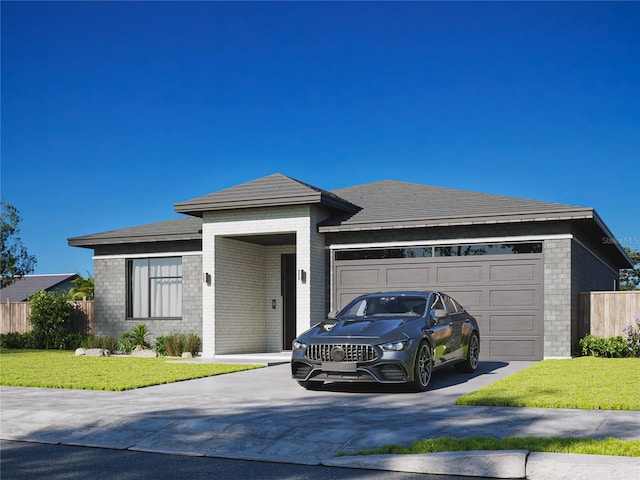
(503, 292)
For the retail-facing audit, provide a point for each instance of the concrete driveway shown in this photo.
(264, 415)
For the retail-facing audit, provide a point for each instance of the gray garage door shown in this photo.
(504, 293)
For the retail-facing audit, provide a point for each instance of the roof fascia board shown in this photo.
(87, 242)
(146, 255)
(568, 214)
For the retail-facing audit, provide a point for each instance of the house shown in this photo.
(22, 289)
(250, 267)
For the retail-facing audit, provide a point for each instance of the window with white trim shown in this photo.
(154, 287)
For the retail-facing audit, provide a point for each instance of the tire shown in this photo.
(422, 368)
(311, 385)
(470, 364)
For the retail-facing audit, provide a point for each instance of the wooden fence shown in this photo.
(14, 316)
(605, 314)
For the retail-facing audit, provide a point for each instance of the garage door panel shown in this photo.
(508, 324)
(358, 276)
(512, 273)
(512, 349)
(459, 274)
(407, 276)
(513, 298)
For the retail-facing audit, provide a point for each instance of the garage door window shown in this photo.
(487, 249)
(384, 253)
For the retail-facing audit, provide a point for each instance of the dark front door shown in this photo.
(288, 291)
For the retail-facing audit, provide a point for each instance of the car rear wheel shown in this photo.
(311, 385)
(473, 355)
(423, 368)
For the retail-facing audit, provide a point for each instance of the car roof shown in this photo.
(400, 293)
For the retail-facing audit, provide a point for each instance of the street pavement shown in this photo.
(264, 415)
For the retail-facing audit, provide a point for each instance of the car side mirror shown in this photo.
(439, 313)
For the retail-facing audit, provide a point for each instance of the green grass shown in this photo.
(587, 446)
(584, 383)
(62, 369)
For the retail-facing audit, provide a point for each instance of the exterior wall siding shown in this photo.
(589, 273)
(241, 326)
(110, 275)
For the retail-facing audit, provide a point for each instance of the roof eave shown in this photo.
(92, 242)
(568, 214)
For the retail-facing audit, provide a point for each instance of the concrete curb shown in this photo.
(509, 464)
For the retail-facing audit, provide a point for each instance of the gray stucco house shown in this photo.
(250, 267)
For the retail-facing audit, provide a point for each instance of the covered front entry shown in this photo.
(288, 292)
(502, 288)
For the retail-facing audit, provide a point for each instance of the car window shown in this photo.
(437, 303)
(385, 307)
(452, 307)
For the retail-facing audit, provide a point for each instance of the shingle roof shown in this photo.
(22, 289)
(389, 204)
(185, 228)
(273, 190)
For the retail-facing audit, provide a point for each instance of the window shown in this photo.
(383, 253)
(443, 251)
(488, 249)
(154, 288)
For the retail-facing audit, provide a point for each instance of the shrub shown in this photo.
(135, 338)
(633, 337)
(610, 347)
(106, 343)
(51, 313)
(36, 341)
(177, 343)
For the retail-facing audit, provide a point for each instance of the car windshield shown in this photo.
(391, 306)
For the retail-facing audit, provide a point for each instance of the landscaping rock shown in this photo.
(96, 352)
(80, 351)
(187, 355)
(143, 353)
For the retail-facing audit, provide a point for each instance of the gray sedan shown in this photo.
(388, 337)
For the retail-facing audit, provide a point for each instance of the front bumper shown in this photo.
(386, 367)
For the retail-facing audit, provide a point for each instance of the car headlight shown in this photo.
(298, 345)
(397, 345)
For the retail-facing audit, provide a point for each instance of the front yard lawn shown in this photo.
(62, 369)
(586, 382)
(585, 446)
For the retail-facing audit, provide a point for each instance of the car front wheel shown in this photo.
(423, 367)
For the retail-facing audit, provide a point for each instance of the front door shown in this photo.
(288, 292)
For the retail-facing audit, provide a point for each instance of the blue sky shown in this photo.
(114, 111)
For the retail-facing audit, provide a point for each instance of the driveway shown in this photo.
(264, 415)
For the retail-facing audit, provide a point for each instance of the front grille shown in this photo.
(341, 353)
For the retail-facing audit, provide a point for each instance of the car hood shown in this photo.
(331, 330)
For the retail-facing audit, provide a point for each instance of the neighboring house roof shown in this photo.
(273, 190)
(185, 228)
(393, 204)
(22, 289)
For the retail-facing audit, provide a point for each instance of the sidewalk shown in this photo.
(264, 415)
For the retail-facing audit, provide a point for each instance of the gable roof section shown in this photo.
(185, 228)
(22, 289)
(273, 190)
(394, 204)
